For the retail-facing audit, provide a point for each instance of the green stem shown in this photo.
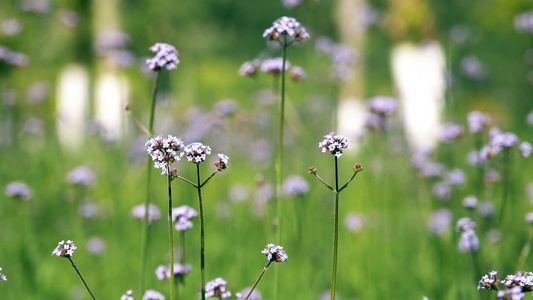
(170, 232)
(323, 182)
(81, 277)
(152, 109)
(202, 234)
(336, 232)
(525, 250)
(258, 279)
(505, 189)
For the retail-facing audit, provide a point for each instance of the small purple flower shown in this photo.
(524, 21)
(163, 272)
(470, 201)
(449, 132)
(18, 189)
(2, 276)
(165, 56)
(440, 221)
(442, 190)
(297, 73)
(383, 105)
(139, 212)
(222, 162)
(249, 68)
(153, 295)
(274, 65)
(489, 282)
(182, 216)
(502, 140)
(455, 177)
(275, 253)
(294, 185)
(525, 149)
(81, 175)
(196, 152)
(286, 26)
(164, 151)
(64, 249)
(334, 144)
(477, 121)
(127, 296)
(217, 288)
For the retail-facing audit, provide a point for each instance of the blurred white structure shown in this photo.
(72, 105)
(110, 95)
(419, 75)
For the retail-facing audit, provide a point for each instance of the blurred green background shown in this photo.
(393, 256)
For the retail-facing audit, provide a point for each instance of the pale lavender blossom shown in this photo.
(449, 132)
(473, 69)
(420, 157)
(529, 217)
(529, 118)
(431, 169)
(2, 276)
(275, 253)
(18, 189)
(485, 208)
(477, 158)
(274, 65)
(36, 6)
(127, 296)
(226, 107)
(64, 249)
(11, 27)
(502, 140)
(288, 27)
(222, 162)
(489, 281)
(108, 41)
(383, 105)
(164, 151)
(249, 68)
(217, 288)
(256, 295)
(442, 190)
(354, 222)
(373, 121)
(465, 224)
(163, 272)
(82, 175)
(165, 56)
(153, 295)
(334, 144)
(491, 176)
(291, 3)
(95, 245)
(196, 152)
(455, 177)
(477, 121)
(13, 58)
(139, 212)
(182, 216)
(294, 185)
(120, 58)
(514, 293)
(524, 22)
(469, 242)
(297, 73)
(88, 209)
(440, 221)
(525, 149)
(470, 201)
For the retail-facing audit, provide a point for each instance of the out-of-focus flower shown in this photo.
(297, 73)
(81, 175)
(524, 21)
(294, 185)
(108, 41)
(470, 201)
(477, 121)
(431, 169)
(465, 224)
(216, 288)
(88, 209)
(525, 149)
(153, 295)
(529, 118)
(334, 144)
(442, 190)
(37, 92)
(486, 208)
(291, 3)
(138, 212)
(222, 162)
(343, 57)
(449, 132)
(163, 272)
(165, 56)
(64, 249)
(249, 68)
(274, 65)
(2, 276)
(226, 107)
(473, 69)
(440, 221)
(95, 245)
(36, 6)
(515, 293)
(256, 295)
(455, 177)
(468, 242)
(286, 26)
(13, 58)
(11, 27)
(70, 18)
(275, 253)
(18, 189)
(127, 296)
(354, 222)
(502, 140)
(383, 105)
(196, 152)
(182, 216)
(491, 176)
(529, 217)
(164, 151)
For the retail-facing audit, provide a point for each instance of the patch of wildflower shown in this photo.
(286, 26)
(196, 152)
(275, 253)
(254, 295)
(64, 249)
(18, 189)
(153, 295)
(182, 216)
(165, 56)
(477, 121)
(489, 281)
(334, 144)
(222, 162)
(216, 288)
(164, 151)
(127, 296)
(449, 132)
(524, 21)
(139, 212)
(180, 270)
(2, 276)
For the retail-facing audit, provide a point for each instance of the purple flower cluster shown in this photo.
(196, 152)
(286, 26)
(469, 241)
(182, 216)
(449, 132)
(274, 65)
(164, 151)
(334, 144)
(64, 249)
(477, 121)
(165, 56)
(383, 105)
(524, 22)
(217, 288)
(275, 253)
(163, 272)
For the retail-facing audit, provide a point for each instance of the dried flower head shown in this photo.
(164, 151)
(182, 216)
(196, 152)
(165, 56)
(163, 272)
(334, 144)
(222, 162)
(286, 26)
(216, 288)
(64, 249)
(275, 253)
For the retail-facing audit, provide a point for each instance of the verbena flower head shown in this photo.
(334, 144)
(127, 296)
(286, 26)
(521, 279)
(294, 185)
(64, 249)
(449, 132)
(81, 175)
(477, 121)
(2, 276)
(216, 288)
(153, 295)
(164, 151)
(222, 162)
(163, 272)
(440, 221)
(249, 68)
(524, 21)
(182, 216)
(165, 56)
(514, 293)
(139, 212)
(489, 281)
(297, 73)
(18, 189)
(470, 202)
(502, 140)
(275, 253)
(525, 149)
(274, 65)
(383, 105)
(196, 152)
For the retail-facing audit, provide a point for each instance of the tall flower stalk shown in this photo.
(66, 249)
(197, 153)
(164, 152)
(335, 144)
(274, 253)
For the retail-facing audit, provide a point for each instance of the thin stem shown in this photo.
(188, 181)
(81, 277)
(505, 189)
(257, 281)
(321, 180)
(139, 124)
(202, 234)
(152, 109)
(336, 233)
(346, 184)
(525, 250)
(170, 232)
(211, 176)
